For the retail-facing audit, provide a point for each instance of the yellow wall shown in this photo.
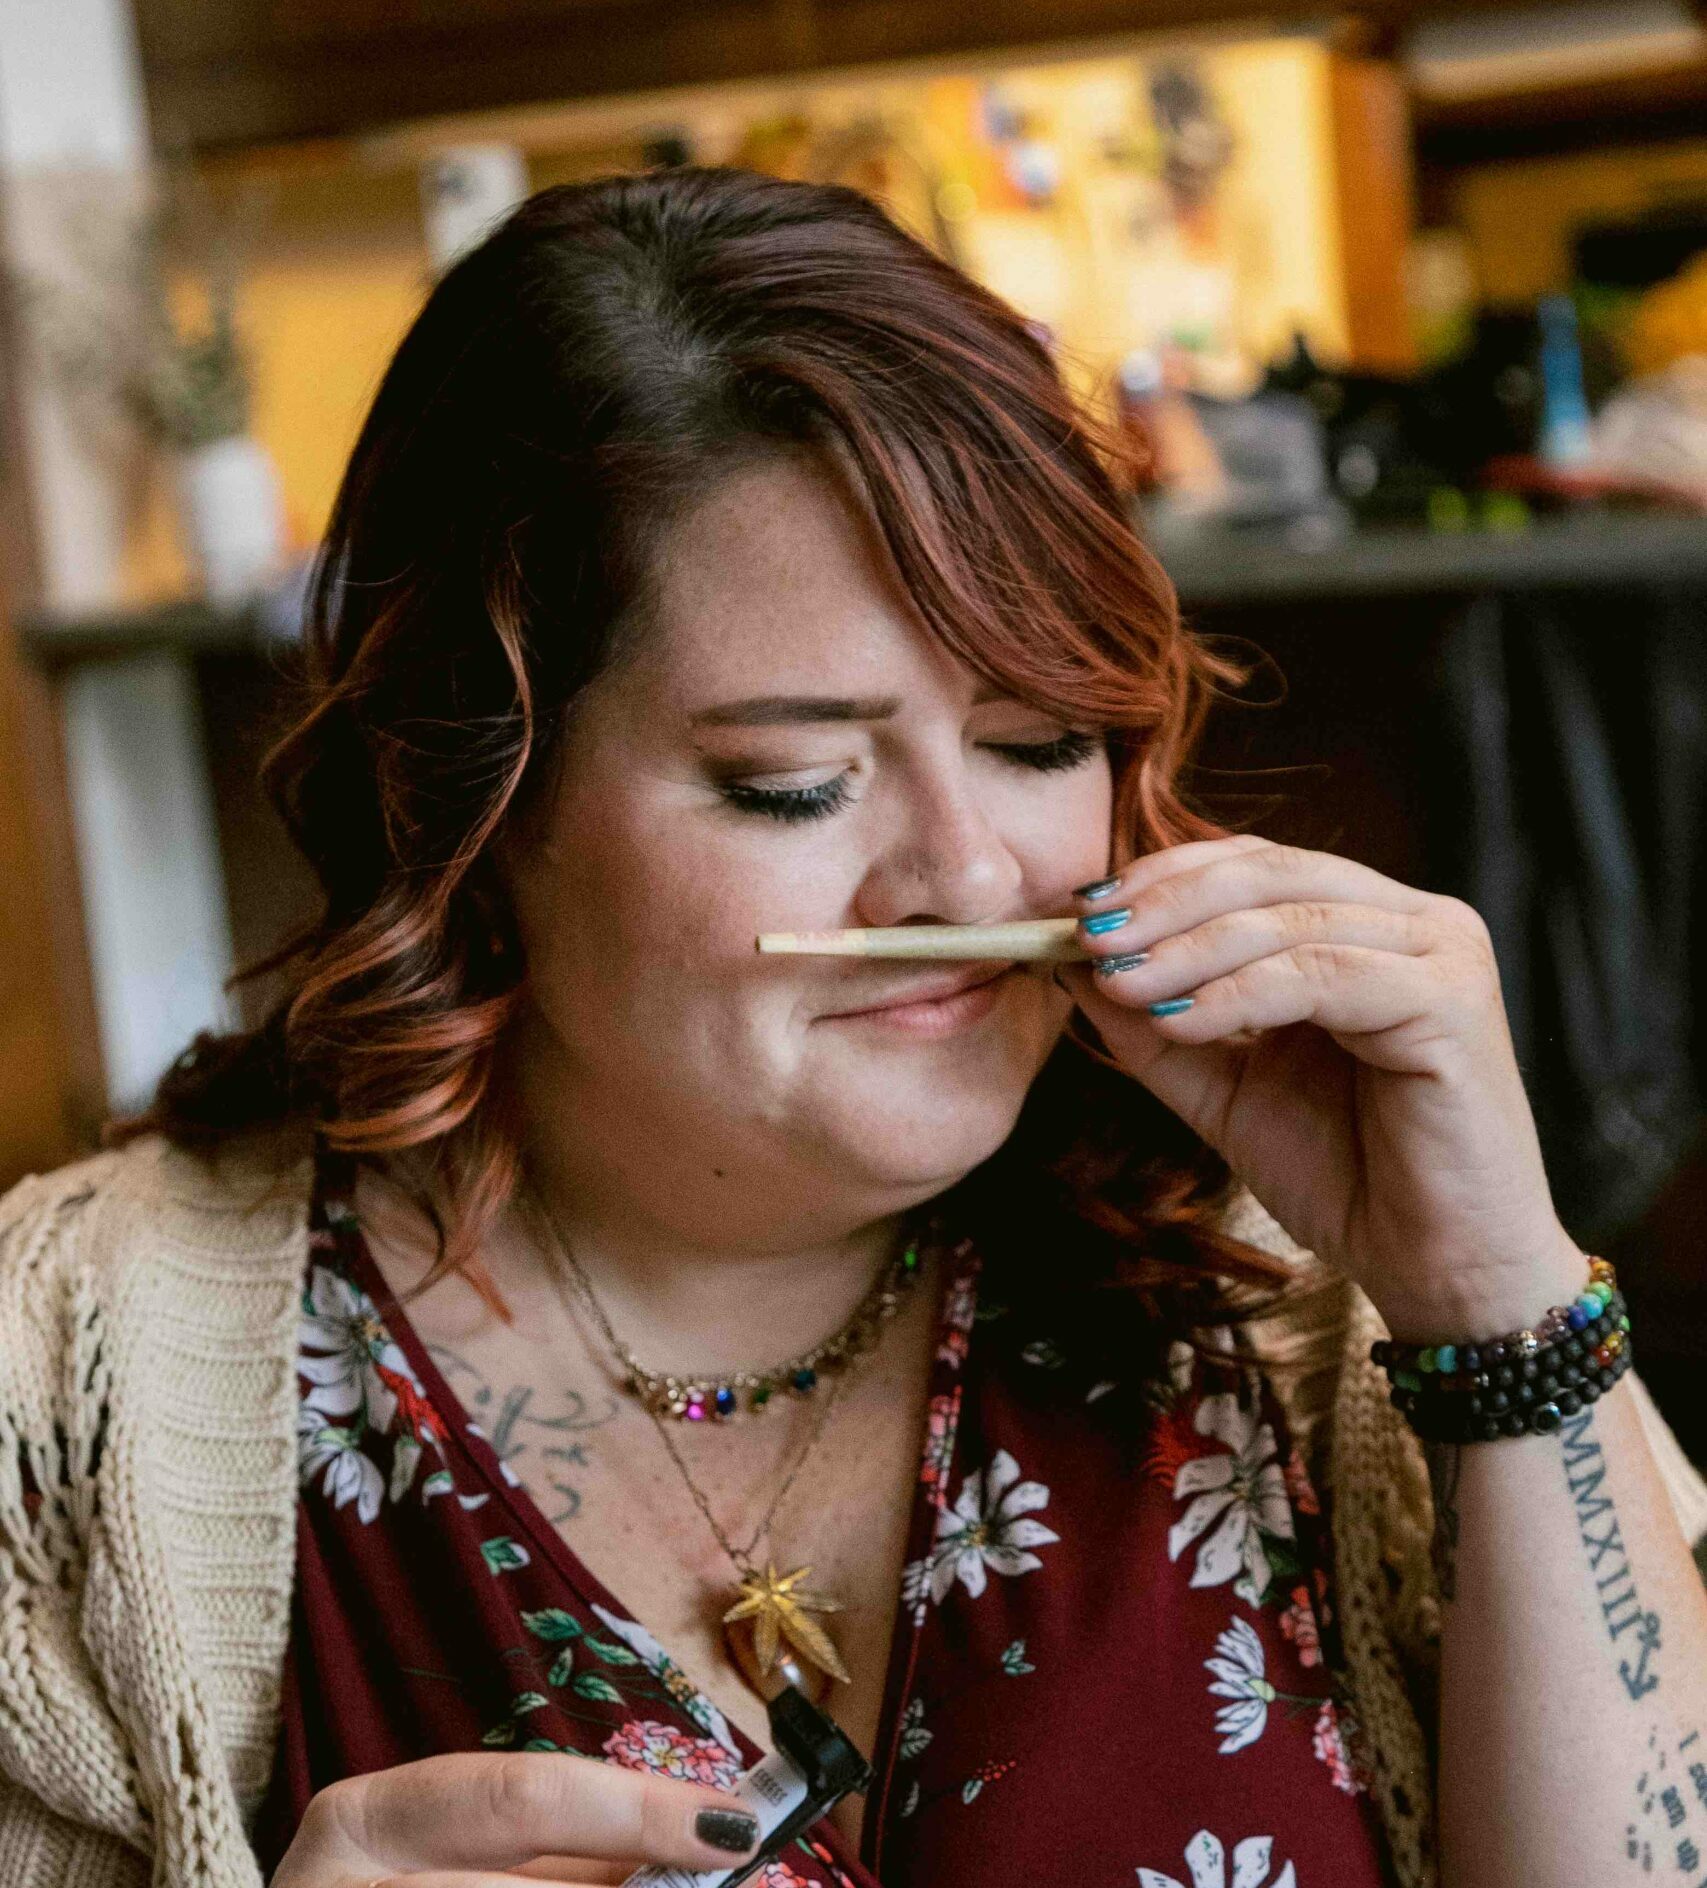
(1520, 217)
(338, 266)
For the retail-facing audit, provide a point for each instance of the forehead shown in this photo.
(776, 579)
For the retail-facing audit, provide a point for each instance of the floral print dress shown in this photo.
(1097, 1674)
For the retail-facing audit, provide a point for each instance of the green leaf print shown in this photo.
(528, 1701)
(561, 1666)
(599, 1690)
(502, 1554)
(1014, 1661)
(500, 1734)
(438, 1483)
(612, 1652)
(405, 1459)
(552, 1623)
(540, 1743)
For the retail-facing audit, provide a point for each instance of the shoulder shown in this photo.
(153, 1211)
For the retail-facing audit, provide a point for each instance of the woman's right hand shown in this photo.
(485, 1819)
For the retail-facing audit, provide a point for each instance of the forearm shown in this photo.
(1573, 1663)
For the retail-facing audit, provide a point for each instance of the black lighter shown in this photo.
(811, 1769)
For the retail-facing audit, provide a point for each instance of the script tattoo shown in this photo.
(515, 1426)
(1445, 1462)
(1608, 1562)
(1670, 1821)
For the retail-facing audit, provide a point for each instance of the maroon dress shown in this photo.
(1097, 1673)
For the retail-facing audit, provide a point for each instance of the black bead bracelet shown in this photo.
(1525, 1383)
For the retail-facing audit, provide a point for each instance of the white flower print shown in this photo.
(1239, 1676)
(671, 1676)
(1243, 1491)
(986, 1527)
(342, 1324)
(351, 1475)
(1206, 1862)
(914, 1735)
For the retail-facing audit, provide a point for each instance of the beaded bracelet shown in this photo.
(1525, 1383)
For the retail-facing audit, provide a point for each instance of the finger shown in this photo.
(495, 1811)
(583, 1870)
(1151, 867)
(1180, 964)
(1389, 1009)
(478, 1878)
(1162, 905)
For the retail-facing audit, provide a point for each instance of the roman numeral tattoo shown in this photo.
(1627, 1624)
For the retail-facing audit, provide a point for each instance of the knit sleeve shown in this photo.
(41, 1850)
(59, 1739)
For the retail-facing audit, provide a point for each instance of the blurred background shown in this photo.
(1404, 310)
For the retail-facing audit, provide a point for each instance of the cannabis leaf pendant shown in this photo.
(780, 1608)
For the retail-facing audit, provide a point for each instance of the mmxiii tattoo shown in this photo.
(515, 1425)
(1636, 1632)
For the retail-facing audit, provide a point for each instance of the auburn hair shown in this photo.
(605, 355)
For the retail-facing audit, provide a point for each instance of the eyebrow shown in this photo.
(771, 711)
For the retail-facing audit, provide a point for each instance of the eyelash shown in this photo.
(794, 804)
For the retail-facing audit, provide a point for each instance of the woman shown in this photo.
(560, 1323)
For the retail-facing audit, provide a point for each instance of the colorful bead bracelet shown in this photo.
(1525, 1383)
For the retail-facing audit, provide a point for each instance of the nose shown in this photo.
(946, 862)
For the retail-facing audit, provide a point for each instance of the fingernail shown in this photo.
(1097, 888)
(1171, 1006)
(1112, 966)
(1105, 921)
(732, 1830)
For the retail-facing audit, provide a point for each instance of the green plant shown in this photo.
(100, 314)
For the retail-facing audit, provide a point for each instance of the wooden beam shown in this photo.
(1376, 196)
(224, 77)
(1650, 107)
(52, 1095)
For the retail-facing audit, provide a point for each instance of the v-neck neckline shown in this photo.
(955, 1313)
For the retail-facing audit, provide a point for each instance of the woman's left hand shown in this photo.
(1346, 1050)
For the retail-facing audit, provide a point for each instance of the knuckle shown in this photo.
(521, 1792)
(1280, 861)
(1463, 916)
(1323, 964)
(1168, 896)
(336, 1814)
(665, 1819)
(1240, 984)
(1307, 919)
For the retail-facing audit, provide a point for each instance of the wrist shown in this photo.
(1527, 1380)
(1486, 1304)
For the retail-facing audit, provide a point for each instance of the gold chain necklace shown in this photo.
(716, 1396)
(770, 1620)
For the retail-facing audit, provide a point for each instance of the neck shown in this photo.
(687, 1301)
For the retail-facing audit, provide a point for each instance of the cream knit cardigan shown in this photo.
(148, 1329)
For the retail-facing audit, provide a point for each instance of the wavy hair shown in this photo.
(607, 354)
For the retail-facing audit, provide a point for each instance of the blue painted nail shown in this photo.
(1097, 888)
(1105, 921)
(1171, 1006)
(1112, 966)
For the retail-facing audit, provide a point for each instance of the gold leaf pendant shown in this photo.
(774, 1639)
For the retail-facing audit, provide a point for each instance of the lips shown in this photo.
(932, 989)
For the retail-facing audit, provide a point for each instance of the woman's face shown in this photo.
(789, 750)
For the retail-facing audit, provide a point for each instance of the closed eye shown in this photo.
(790, 804)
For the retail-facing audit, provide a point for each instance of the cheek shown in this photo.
(1065, 840)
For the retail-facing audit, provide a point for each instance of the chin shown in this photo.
(918, 1138)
